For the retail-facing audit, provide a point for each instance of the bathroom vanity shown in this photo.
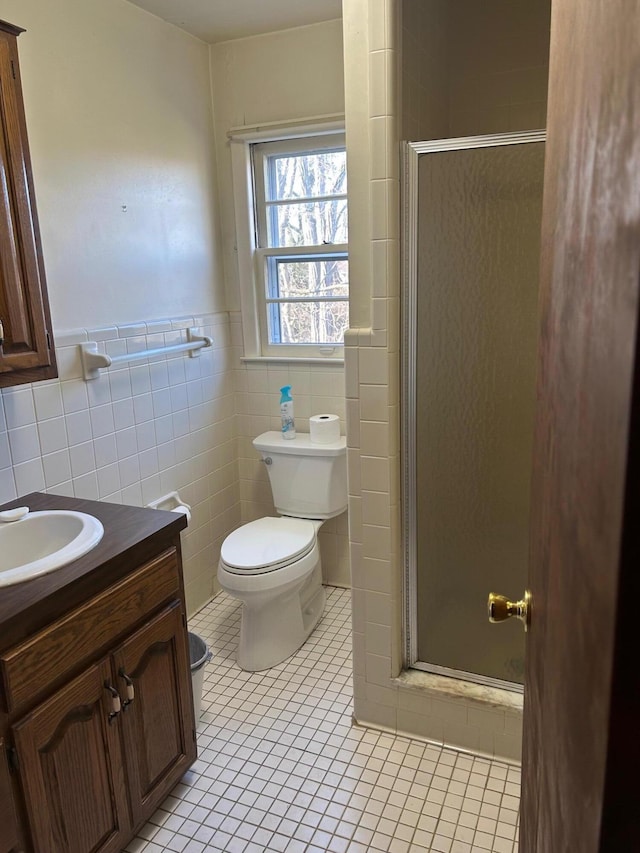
(96, 713)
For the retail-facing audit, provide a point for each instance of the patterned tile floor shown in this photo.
(281, 768)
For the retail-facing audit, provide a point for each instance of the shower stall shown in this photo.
(472, 211)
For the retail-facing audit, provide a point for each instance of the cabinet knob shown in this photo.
(129, 688)
(114, 702)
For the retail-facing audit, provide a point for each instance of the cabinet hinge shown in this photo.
(46, 331)
(184, 620)
(194, 735)
(13, 70)
(12, 758)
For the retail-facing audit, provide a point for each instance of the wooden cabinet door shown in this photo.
(8, 825)
(158, 728)
(70, 765)
(26, 354)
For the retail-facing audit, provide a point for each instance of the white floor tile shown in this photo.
(281, 768)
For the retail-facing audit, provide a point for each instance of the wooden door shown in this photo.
(158, 727)
(581, 695)
(71, 770)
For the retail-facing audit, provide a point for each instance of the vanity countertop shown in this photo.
(132, 535)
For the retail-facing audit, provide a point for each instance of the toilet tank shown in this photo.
(307, 480)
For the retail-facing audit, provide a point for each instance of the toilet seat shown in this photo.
(267, 544)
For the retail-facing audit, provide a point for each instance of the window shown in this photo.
(300, 250)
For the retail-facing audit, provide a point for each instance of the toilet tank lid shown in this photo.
(301, 445)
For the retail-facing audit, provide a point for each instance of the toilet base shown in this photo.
(271, 631)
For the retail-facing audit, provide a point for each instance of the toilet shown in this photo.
(272, 565)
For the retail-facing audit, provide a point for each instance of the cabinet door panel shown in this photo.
(157, 726)
(8, 826)
(72, 776)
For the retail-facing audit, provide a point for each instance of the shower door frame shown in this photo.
(411, 152)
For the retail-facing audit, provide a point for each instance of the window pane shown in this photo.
(305, 278)
(307, 322)
(308, 223)
(305, 175)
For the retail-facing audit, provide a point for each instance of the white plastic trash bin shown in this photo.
(199, 654)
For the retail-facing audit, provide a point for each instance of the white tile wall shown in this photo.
(134, 434)
(142, 430)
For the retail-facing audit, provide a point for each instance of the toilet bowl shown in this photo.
(272, 565)
(283, 599)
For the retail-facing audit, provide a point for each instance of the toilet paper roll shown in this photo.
(324, 429)
(182, 510)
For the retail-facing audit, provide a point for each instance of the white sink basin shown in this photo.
(40, 542)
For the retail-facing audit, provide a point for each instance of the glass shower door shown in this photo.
(472, 329)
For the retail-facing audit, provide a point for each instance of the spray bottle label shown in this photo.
(286, 413)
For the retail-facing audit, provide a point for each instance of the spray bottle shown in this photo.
(286, 413)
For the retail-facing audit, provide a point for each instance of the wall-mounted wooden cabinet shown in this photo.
(26, 352)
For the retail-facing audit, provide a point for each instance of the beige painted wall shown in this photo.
(498, 65)
(282, 76)
(279, 76)
(472, 68)
(425, 90)
(118, 113)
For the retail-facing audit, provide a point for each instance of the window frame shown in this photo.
(250, 153)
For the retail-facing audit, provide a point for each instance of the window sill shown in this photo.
(291, 359)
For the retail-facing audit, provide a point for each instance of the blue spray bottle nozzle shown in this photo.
(286, 396)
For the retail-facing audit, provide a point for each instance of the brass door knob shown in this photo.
(500, 608)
